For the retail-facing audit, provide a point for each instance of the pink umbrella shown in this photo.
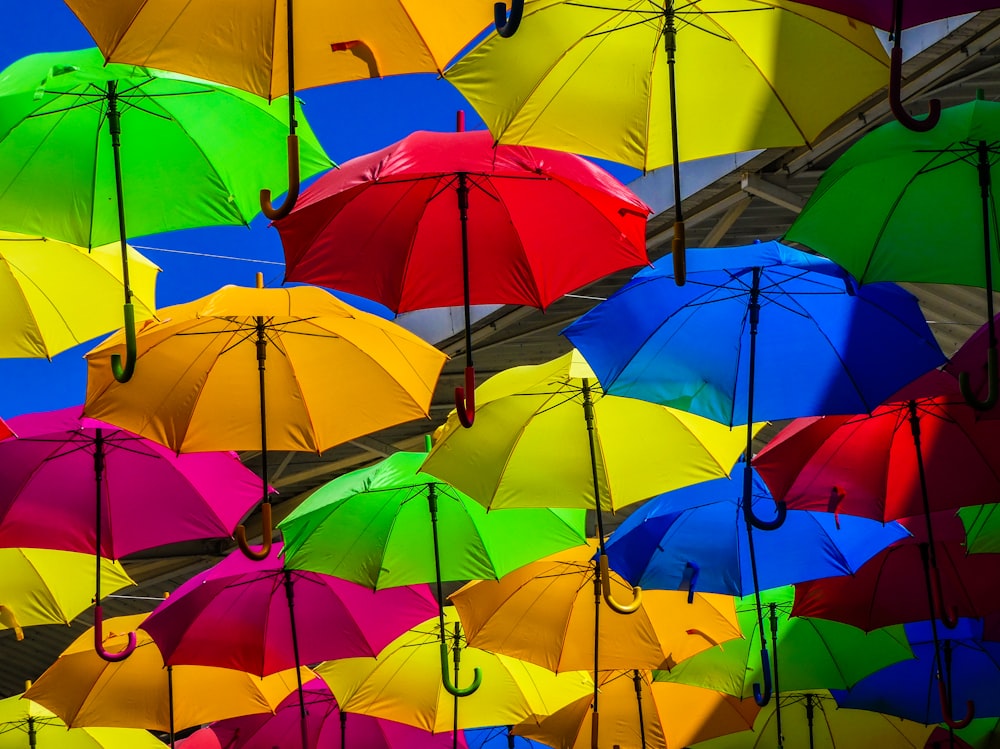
(328, 728)
(60, 466)
(262, 617)
(203, 738)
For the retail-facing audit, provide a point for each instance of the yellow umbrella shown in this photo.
(812, 719)
(403, 683)
(640, 714)
(44, 586)
(83, 689)
(55, 295)
(655, 83)
(26, 723)
(269, 47)
(333, 373)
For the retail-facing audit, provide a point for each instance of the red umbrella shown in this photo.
(443, 219)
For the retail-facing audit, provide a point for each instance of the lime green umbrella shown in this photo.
(408, 527)
(982, 528)
(83, 144)
(815, 653)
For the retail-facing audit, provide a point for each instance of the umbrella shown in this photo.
(329, 728)
(946, 738)
(549, 612)
(189, 152)
(56, 295)
(816, 653)
(982, 528)
(908, 194)
(982, 733)
(62, 467)
(440, 219)
(641, 713)
(497, 737)
(814, 720)
(26, 723)
(85, 690)
(403, 683)
(778, 315)
(270, 47)
(619, 79)
(45, 586)
(208, 356)
(388, 509)
(203, 738)
(262, 617)
(912, 688)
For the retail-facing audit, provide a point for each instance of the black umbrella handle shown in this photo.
(294, 179)
(763, 696)
(896, 81)
(507, 26)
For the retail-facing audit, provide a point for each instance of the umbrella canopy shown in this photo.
(982, 528)
(909, 689)
(508, 461)
(814, 653)
(192, 153)
(329, 728)
(387, 225)
(812, 719)
(403, 683)
(639, 713)
(700, 527)
(44, 586)
(85, 690)
(389, 510)
(544, 613)
(26, 723)
(846, 348)
(203, 738)
(237, 614)
(497, 737)
(148, 495)
(55, 295)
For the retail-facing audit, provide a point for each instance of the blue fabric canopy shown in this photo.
(824, 346)
(497, 738)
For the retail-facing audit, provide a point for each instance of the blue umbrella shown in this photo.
(826, 345)
(691, 538)
(911, 689)
(498, 737)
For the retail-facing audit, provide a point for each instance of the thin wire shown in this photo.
(208, 255)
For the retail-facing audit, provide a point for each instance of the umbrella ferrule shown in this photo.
(669, 30)
(463, 194)
(432, 501)
(114, 116)
(983, 167)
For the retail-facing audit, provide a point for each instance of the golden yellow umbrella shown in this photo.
(44, 586)
(140, 692)
(333, 373)
(55, 295)
(639, 714)
(403, 683)
(269, 47)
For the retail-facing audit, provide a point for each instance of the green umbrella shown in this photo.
(407, 527)
(901, 205)
(815, 653)
(982, 528)
(79, 138)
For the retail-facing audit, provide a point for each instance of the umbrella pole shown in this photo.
(290, 595)
(170, 702)
(679, 242)
(343, 730)
(637, 680)
(293, 140)
(121, 373)
(465, 397)
(810, 707)
(267, 530)
(773, 615)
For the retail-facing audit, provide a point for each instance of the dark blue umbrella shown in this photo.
(910, 689)
(692, 538)
(825, 345)
(498, 737)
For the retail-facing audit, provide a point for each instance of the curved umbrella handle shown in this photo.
(293, 185)
(124, 373)
(507, 26)
(896, 103)
(477, 677)
(679, 250)
(693, 581)
(465, 399)
(766, 525)
(267, 530)
(622, 608)
(992, 378)
(970, 709)
(762, 698)
(99, 639)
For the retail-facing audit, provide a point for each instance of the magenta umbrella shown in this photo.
(328, 727)
(262, 618)
(78, 484)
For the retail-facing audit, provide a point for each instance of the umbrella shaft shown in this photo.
(115, 128)
(290, 595)
(170, 702)
(291, 67)
(463, 220)
(985, 188)
(670, 47)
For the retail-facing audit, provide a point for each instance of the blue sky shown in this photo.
(350, 119)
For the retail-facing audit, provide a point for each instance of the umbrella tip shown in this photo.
(427, 443)
(980, 94)
(260, 280)
(460, 121)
